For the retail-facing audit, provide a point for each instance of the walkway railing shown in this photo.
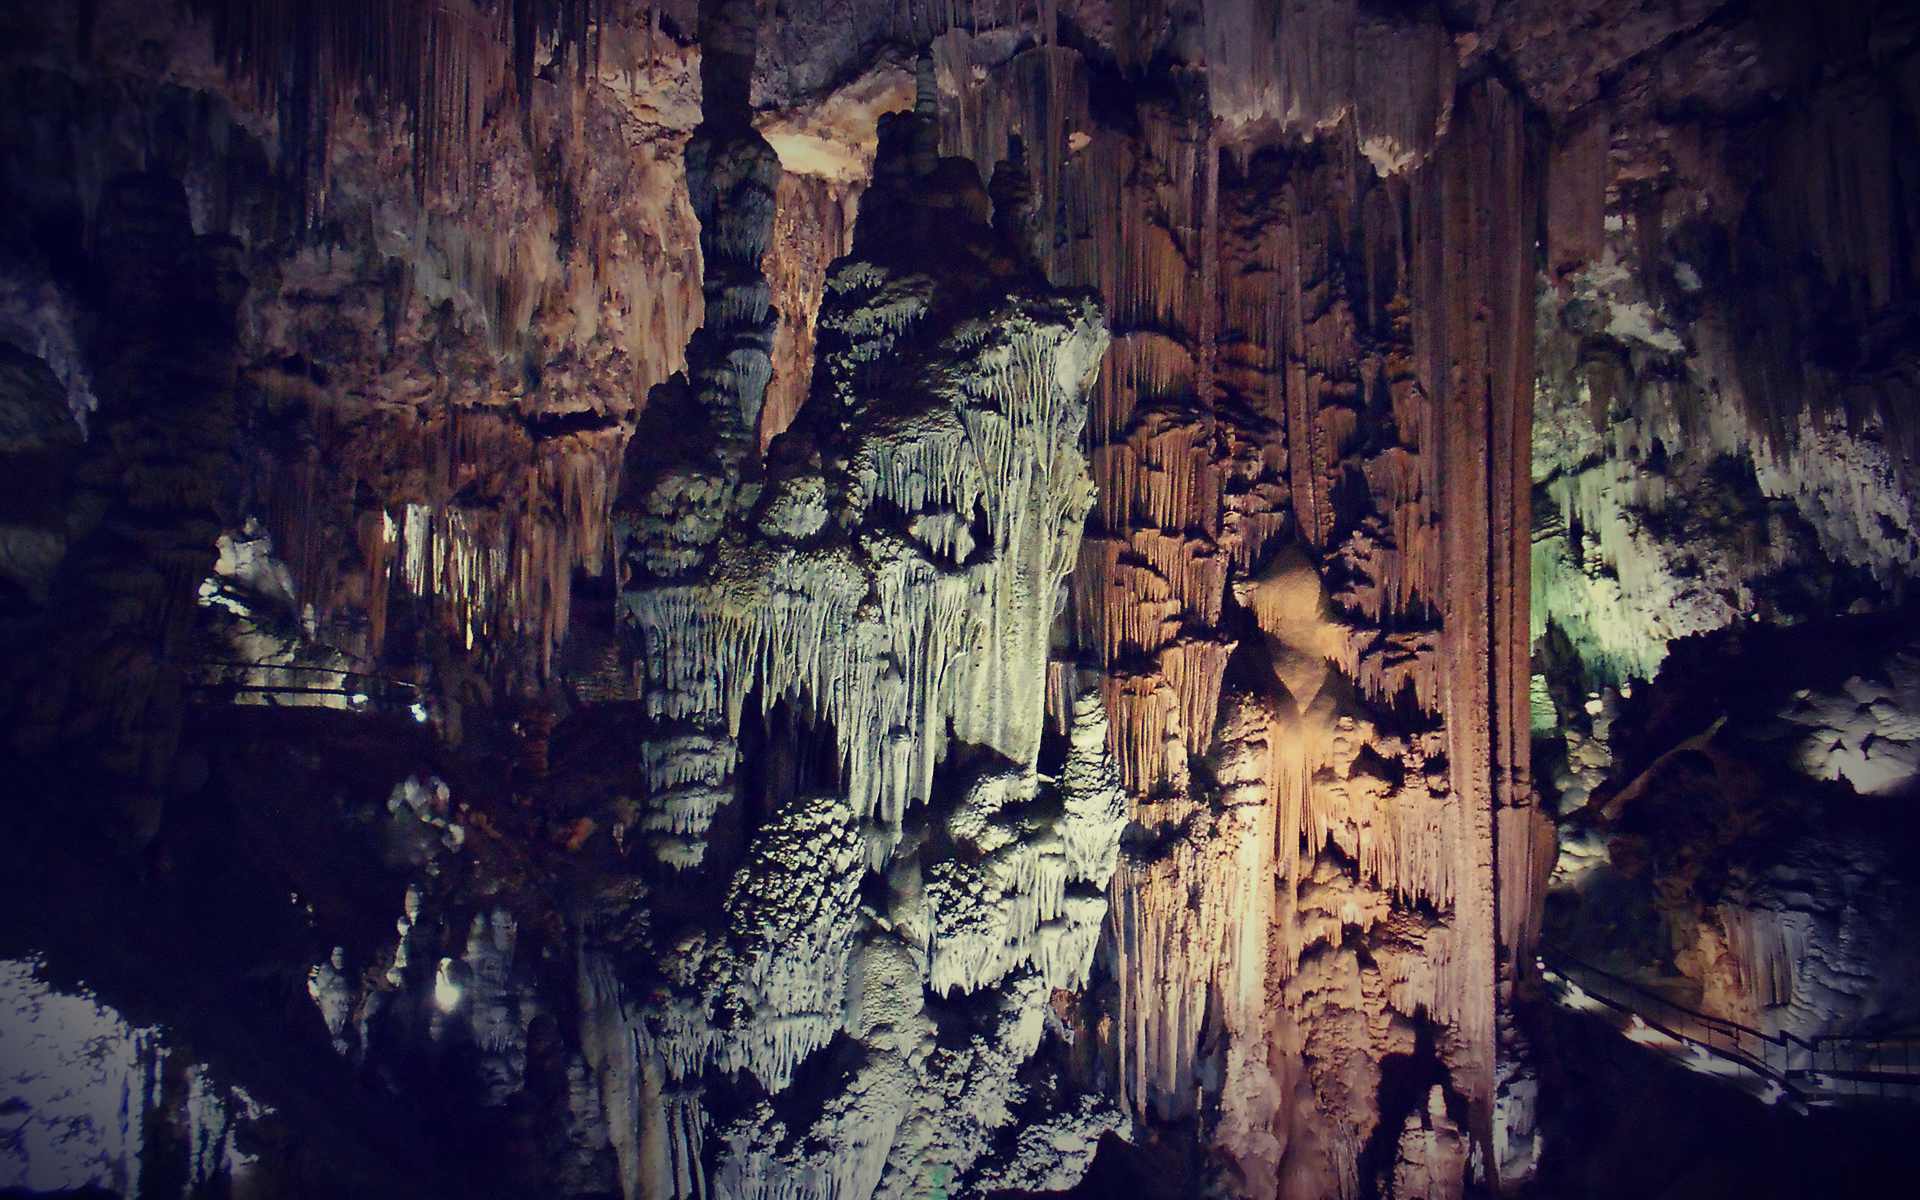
(324, 687)
(1824, 1070)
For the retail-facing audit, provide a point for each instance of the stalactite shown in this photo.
(377, 535)
(1142, 367)
(440, 65)
(1196, 668)
(1313, 67)
(1142, 708)
(1007, 446)
(1189, 931)
(1145, 250)
(1274, 374)
(481, 519)
(1767, 947)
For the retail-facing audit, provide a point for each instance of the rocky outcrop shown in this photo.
(899, 918)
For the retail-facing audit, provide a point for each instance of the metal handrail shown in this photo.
(379, 690)
(302, 667)
(1717, 1036)
(260, 666)
(1828, 1067)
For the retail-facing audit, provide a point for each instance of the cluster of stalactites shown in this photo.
(1298, 354)
(1190, 928)
(1203, 922)
(443, 67)
(495, 577)
(1026, 886)
(894, 646)
(1150, 583)
(485, 528)
(892, 635)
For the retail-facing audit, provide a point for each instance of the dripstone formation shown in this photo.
(857, 598)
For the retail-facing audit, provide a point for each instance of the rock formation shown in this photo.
(869, 598)
(891, 580)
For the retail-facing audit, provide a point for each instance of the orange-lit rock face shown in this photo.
(1302, 389)
(812, 227)
(452, 351)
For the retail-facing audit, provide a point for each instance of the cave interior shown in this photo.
(877, 599)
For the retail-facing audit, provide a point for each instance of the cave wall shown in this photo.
(933, 585)
(1320, 352)
(1725, 352)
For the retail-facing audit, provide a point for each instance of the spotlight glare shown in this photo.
(446, 993)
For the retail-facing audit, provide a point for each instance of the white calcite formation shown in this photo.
(331, 989)
(263, 647)
(884, 965)
(1700, 478)
(498, 1004)
(1680, 502)
(891, 638)
(1024, 881)
(1866, 731)
(1658, 527)
(779, 970)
